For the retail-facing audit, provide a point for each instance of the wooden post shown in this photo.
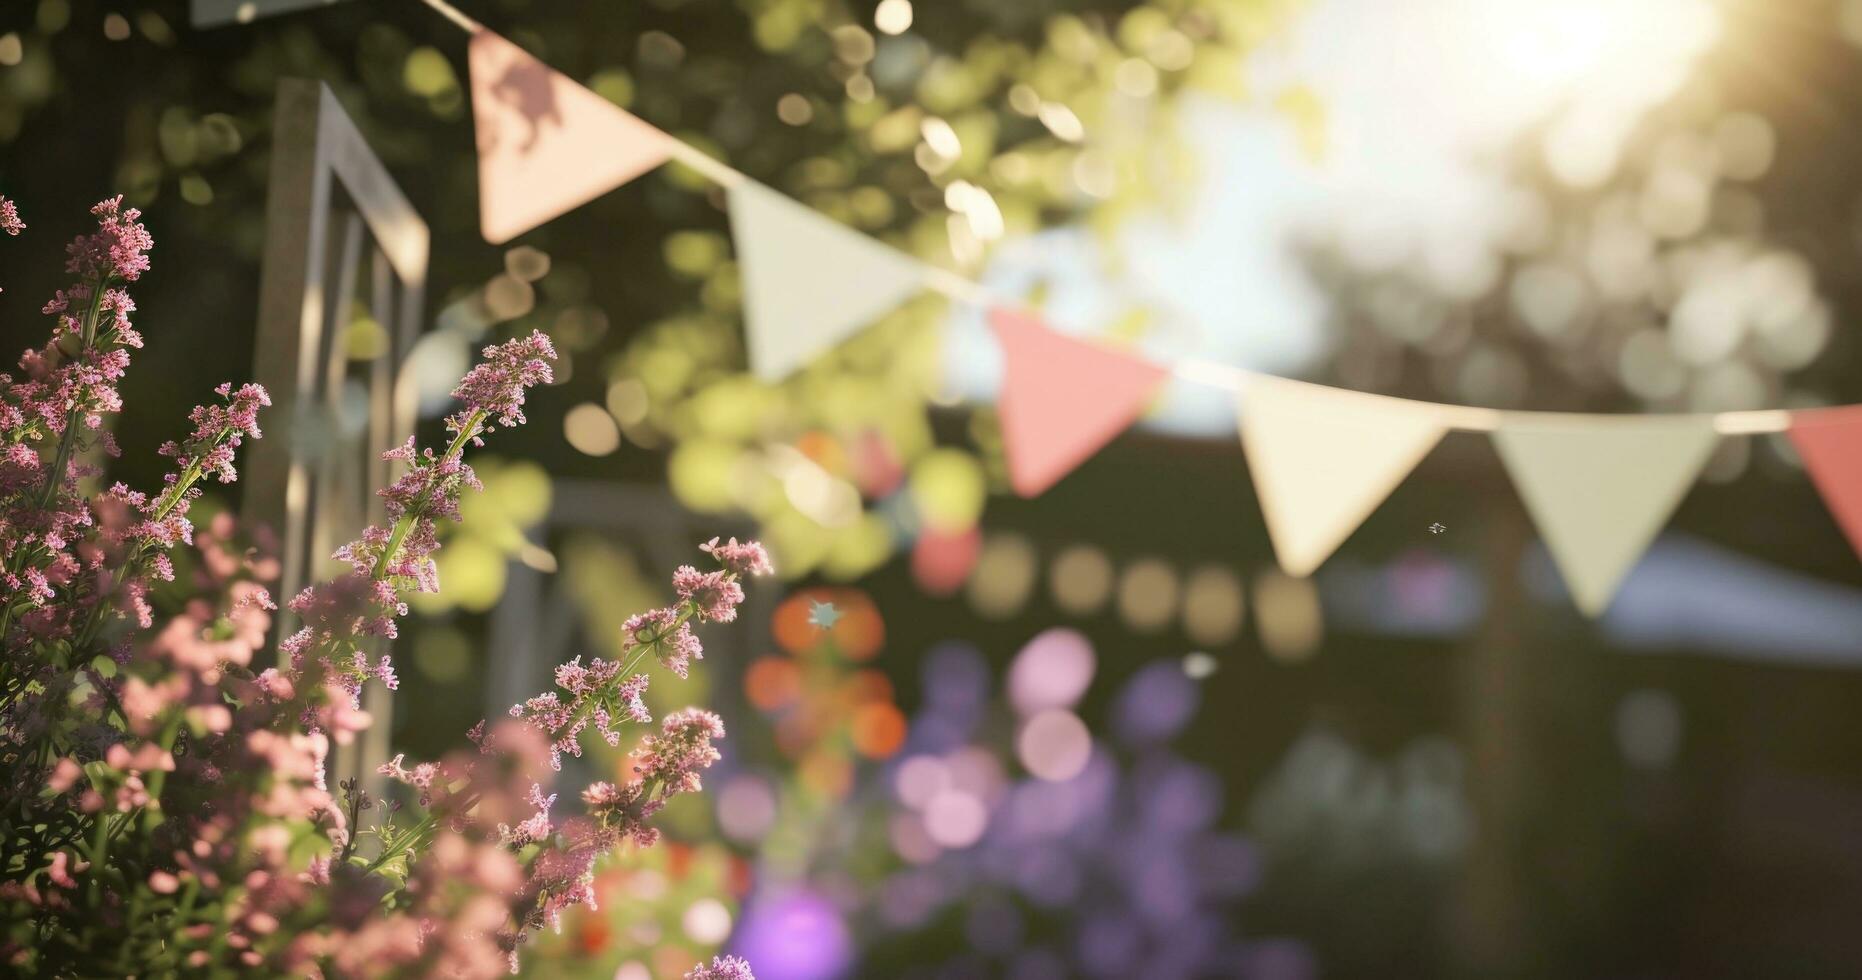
(213, 13)
(313, 477)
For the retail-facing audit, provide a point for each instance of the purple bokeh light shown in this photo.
(794, 935)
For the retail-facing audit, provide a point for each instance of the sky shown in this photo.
(1420, 98)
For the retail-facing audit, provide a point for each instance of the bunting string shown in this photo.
(1599, 487)
(1465, 418)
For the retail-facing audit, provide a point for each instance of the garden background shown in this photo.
(1422, 761)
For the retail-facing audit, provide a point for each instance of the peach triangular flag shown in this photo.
(1830, 440)
(1323, 459)
(545, 143)
(809, 282)
(1063, 399)
(1599, 490)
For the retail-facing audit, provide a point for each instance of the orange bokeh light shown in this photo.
(878, 730)
(865, 686)
(827, 774)
(773, 683)
(592, 934)
(824, 449)
(858, 634)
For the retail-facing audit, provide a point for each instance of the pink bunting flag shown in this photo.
(1830, 440)
(545, 143)
(1063, 399)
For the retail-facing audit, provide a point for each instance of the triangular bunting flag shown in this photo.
(1323, 459)
(1830, 440)
(809, 282)
(1063, 399)
(1600, 490)
(545, 143)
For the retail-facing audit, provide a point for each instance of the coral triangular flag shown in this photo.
(1323, 459)
(809, 282)
(1600, 490)
(545, 143)
(1830, 440)
(1063, 399)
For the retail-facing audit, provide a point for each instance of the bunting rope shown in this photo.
(1464, 418)
(1599, 487)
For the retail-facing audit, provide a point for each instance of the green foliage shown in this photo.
(979, 122)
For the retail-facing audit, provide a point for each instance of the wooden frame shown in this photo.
(332, 207)
(214, 13)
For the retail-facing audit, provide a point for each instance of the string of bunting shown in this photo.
(1598, 487)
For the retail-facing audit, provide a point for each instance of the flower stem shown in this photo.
(55, 476)
(413, 514)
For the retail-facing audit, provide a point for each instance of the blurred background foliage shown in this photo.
(941, 128)
(1439, 768)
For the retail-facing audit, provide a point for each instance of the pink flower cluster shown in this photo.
(60, 397)
(118, 249)
(603, 695)
(158, 802)
(722, 968)
(668, 764)
(596, 696)
(218, 431)
(494, 390)
(9, 217)
(740, 560)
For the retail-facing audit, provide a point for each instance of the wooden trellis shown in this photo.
(213, 13)
(337, 230)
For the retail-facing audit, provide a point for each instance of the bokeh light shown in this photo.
(955, 819)
(920, 779)
(1004, 576)
(1081, 579)
(1052, 671)
(942, 561)
(591, 430)
(1213, 605)
(1054, 745)
(1287, 616)
(746, 808)
(707, 921)
(1156, 703)
(857, 635)
(1147, 595)
(794, 935)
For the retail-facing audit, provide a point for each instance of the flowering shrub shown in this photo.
(163, 801)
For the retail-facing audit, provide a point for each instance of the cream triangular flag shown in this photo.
(808, 282)
(1323, 459)
(1599, 490)
(545, 143)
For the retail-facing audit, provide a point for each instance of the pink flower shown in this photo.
(9, 217)
(496, 386)
(116, 250)
(722, 968)
(715, 595)
(682, 748)
(748, 558)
